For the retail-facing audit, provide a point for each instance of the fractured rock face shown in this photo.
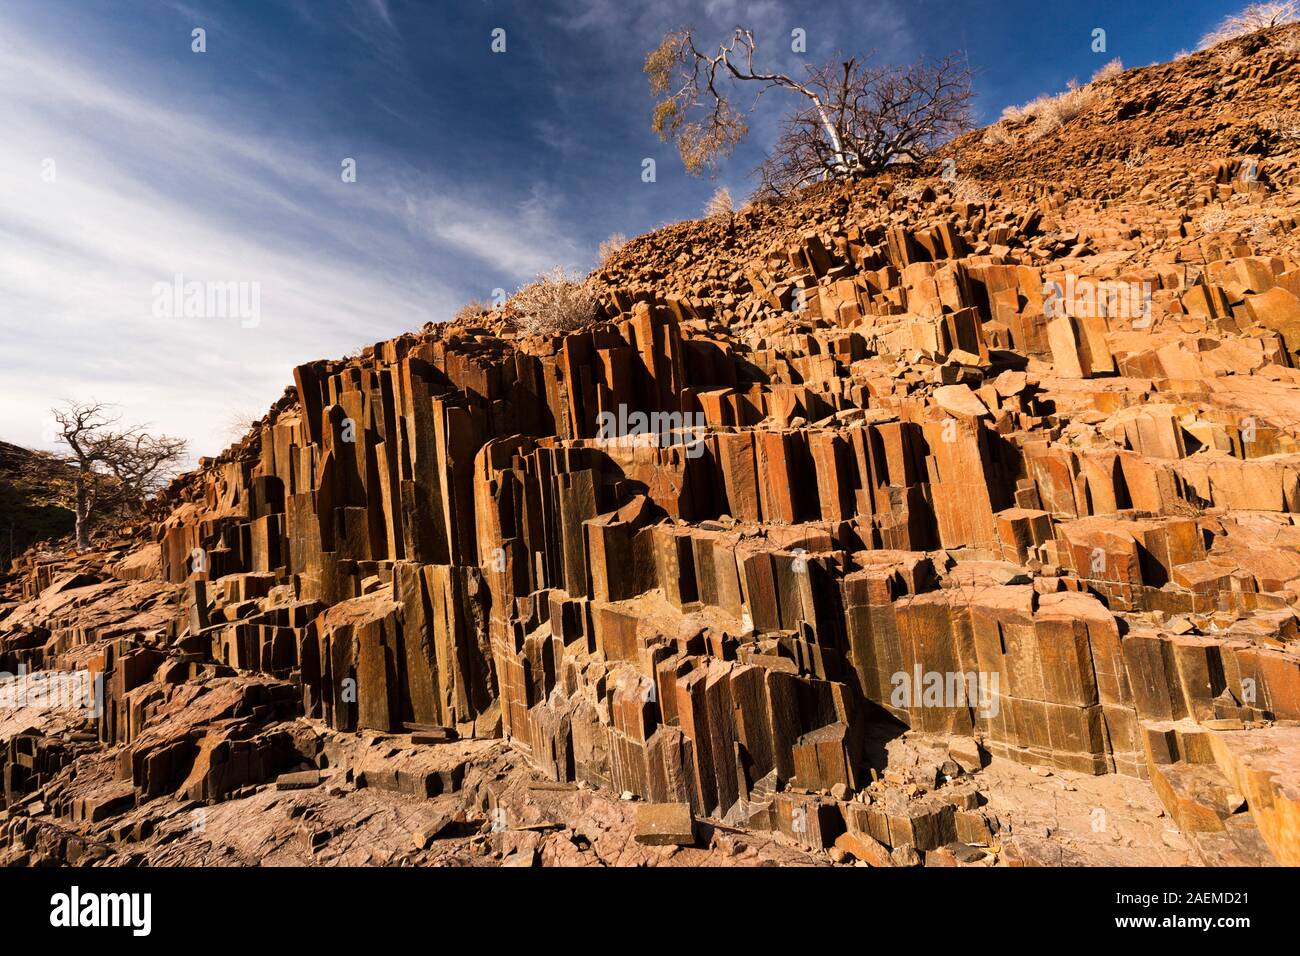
(1017, 476)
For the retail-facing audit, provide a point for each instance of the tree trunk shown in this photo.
(841, 164)
(83, 515)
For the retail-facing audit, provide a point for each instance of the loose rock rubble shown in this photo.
(959, 531)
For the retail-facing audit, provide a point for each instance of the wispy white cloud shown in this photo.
(113, 181)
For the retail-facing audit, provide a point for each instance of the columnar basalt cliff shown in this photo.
(988, 471)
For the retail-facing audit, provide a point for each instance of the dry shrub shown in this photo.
(1064, 107)
(1257, 16)
(610, 247)
(555, 303)
(1229, 55)
(472, 311)
(719, 204)
(1214, 222)
(998, 135)
(966, 190)
(1047, 113)
(1108, 72)
(1016, 114)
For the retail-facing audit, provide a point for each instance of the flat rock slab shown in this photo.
(960, 400)
(865, 848)
(665, 824)
(425, 737)
(301, 780)
(436, 733)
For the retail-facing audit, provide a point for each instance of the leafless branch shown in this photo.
(853, 119)
(116, 468)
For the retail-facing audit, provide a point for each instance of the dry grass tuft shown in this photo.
(1047, 113)
(1256, 17)
(1108, 72)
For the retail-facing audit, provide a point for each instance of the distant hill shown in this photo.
(32, 484)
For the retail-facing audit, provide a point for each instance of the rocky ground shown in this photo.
(1024, 417)
(372, 798)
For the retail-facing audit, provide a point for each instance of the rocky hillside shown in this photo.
(33, 489)
(947, 518)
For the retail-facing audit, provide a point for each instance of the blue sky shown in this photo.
(127, 159)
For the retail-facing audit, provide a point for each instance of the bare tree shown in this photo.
(852, 119)
(116, 468)
(240, 422)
